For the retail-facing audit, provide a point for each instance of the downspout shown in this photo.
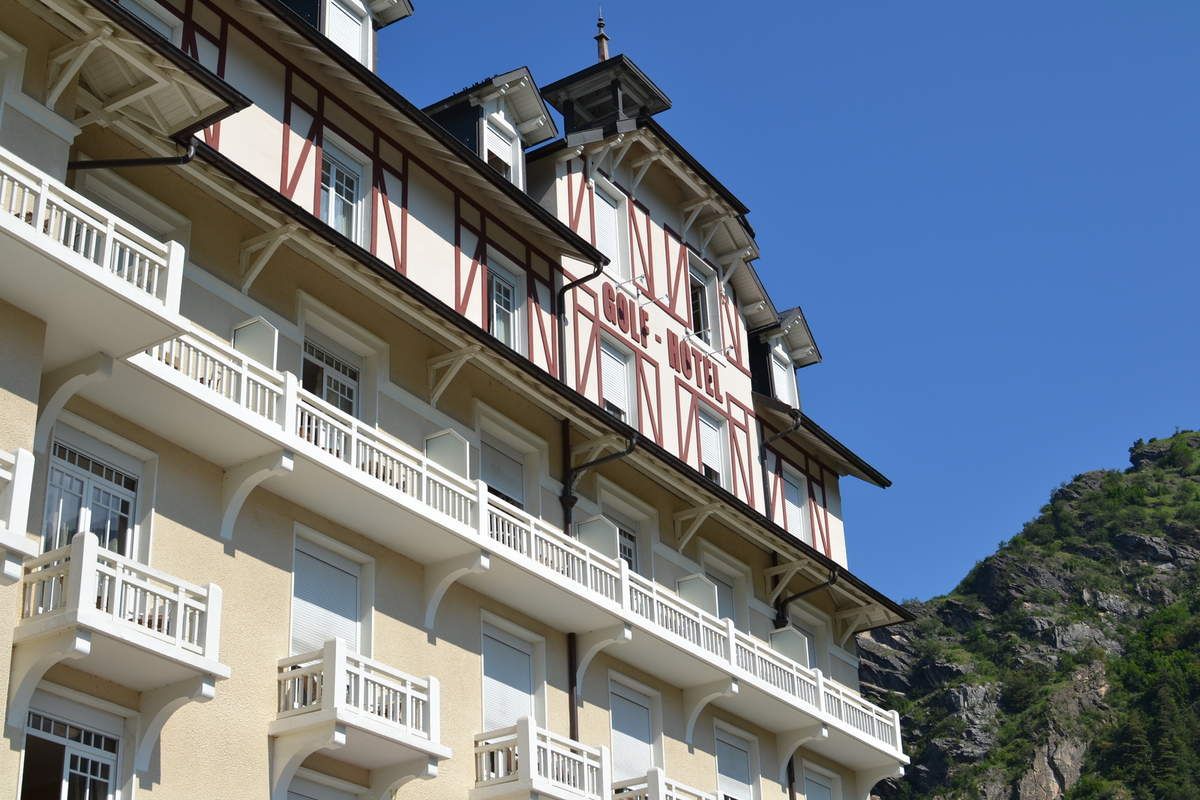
(781, 617)
(110, 163)
(561, 308)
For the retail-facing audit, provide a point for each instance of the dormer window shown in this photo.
(703, 291)
(502, 146)
(346, 23)
(783, 377)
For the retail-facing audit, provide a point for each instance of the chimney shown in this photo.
(601, 39)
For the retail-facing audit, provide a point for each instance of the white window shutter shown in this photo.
(712, 446)
(324, 599)
(496, 142)
(504, 472)
(344, 28)
(607, 240)
(507, 681)
(614, 377)
(793, 505)
(632, 748)
(784, 379)
(733, 768)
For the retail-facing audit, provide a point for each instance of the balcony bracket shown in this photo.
(695, 698)
(591, 644)
(61, 385)
(239, 481)
(789, 742)
(386, 781)
(694, 517)
(158, 705)
(440, 576)
(289, 750)
(30, 662)
(257, 251)
(451, 362)
(865, 781)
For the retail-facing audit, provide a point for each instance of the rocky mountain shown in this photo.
(1067, 664)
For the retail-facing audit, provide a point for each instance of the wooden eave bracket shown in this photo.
(257, 251)
(694, 517)
(642, 165)
(74, 54)
(591, 449)
(784, 573)
(847, 622)
(451, 362)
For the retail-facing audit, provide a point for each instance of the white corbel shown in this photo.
(61, 385)
(619, 155)
(591, 644)
(695, 698)
(289, 750)
(866, 779)
(451, 362)
(30, 662)
(156, 708)
(732, 267)
(784, 573)
(709, 231)
(386, 781)
(788, 742)
(239, 481)
(261, 248)
(642, 165)
(849, 621)
(695, 517)
(439, 577)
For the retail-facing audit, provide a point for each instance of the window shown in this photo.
(795, 516)
(627, 548)
(734, 774)
(67, 761)
(508, 678)
(608, 227)
(503, 470)
(712, 448)
(616, 379)
(632, 721)
(499, 147)
(331, 375)
(726, 595)
(703, 293)
(84, 493)
(341, 192)
(783, 376)
(345, 26)
(504, 305)
(326, 599)
(818, 786)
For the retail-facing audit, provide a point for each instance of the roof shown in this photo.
(385, 12)
(594, 81)
(801, 346)
(533, 119)
(809, 434)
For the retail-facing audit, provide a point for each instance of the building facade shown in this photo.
(354, 449)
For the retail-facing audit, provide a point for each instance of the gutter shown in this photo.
(112, 163)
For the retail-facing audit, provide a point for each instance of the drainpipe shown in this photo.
(561, 301)
(571, 476)
(572, 687)
(781, 617)
(110, 163)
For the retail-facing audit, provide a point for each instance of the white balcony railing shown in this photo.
(335, 679)
(118, 594)
(83, 227)
(656, 786)
(16, 475)
(542, 761)
(371, 453)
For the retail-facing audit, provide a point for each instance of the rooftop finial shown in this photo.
(601, 38)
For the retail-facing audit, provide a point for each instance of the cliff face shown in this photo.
(1067, 664)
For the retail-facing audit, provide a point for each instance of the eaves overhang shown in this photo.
(798, 338)
(654, 457)
(810, 436)
(501, 188)
(533, 120)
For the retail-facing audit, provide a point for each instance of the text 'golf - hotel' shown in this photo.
(350, 449)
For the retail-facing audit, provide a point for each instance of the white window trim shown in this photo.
(720, 727)
(349, 156)
(628, 507)
(123, 454)
(503, 127)
(711, 281)
(537, 645)
(722, 424)
(807, 767)
(656, 714)
(366, 581)
(491, 424)
(499, 263)
(344, 332)
(632, 417)
(623, 271)
(365, 55)
(330, 782)
(801, 480)
(714, 559)
(778, 352)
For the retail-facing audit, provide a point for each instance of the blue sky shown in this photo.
(989, 212)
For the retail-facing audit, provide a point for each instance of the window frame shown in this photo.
(496, 427)
(171, 22)
(722, 426)
(366, 581)
(780, 358)
(341, 153)
(500, 267)
(829, 776)
(630, 416)
(734, 572)
(330, 350)
(86, 711)
(657, 743)
(621, 264)
(504, 130)
(699, 272)
(723, 729)
(617, 506)
(347, 335)
(524, 637)
(365, 53)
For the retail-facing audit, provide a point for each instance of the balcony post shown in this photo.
(656, 781)
(623, 584)
(605, 788)
(212, 623)
(526, 750)
(81, 571)
(896, 728)
(481, 509)
(433, 723)
(176, 256)
(107, 255)
(333, 674)
(40, 220)
(731, 637)
(291, 396)
(820, 689)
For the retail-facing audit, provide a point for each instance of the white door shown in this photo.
(507, 679)
(325, 600)
(632, 738)
(733, 768)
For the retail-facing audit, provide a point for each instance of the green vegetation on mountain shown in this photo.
(1067, 664)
